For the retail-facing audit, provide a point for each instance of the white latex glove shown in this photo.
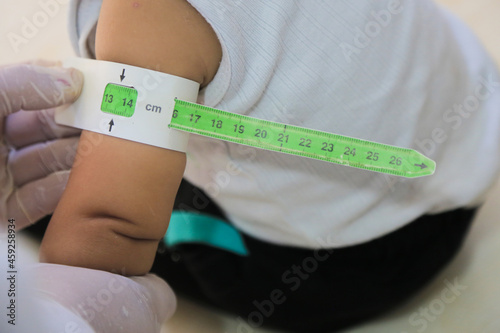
(35, 153)
(57, 298)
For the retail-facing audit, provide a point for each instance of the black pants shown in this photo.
(300, 290)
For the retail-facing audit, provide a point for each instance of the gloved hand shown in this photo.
(35, 157)
(58, 298)
(35, 153)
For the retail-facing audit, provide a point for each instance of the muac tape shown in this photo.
(128, 102)
(154, 108)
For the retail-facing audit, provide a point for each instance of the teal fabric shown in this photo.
(188, 227)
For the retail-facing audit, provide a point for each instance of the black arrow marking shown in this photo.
(111, 124)
(123, 75)
(422, 166)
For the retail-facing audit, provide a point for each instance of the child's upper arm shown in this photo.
(120, 194)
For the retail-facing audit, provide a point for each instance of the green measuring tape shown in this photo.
(289, 139)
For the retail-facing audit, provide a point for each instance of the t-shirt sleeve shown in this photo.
(82, 23)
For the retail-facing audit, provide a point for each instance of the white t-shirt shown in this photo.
(403, 73)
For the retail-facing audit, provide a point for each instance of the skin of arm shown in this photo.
(119, 197)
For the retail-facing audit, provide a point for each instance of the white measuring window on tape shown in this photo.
(128, 102)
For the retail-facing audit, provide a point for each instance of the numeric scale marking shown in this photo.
(300, 141)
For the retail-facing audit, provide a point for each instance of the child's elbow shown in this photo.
(103, 243)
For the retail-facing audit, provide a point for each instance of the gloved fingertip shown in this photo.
(74, 87)
(162, 297)
(45, 63)
(68, 81)
(77, 76)
(168, 302)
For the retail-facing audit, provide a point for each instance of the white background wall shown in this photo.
(44, 36)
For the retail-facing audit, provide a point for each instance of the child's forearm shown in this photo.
(116, 206)
(120, 194)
